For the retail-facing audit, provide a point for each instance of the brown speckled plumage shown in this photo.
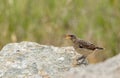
(82, 44)
(79, 44)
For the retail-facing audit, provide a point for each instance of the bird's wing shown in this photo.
(81, 46)
(84, 44)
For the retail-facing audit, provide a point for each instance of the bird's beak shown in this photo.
(67, 37)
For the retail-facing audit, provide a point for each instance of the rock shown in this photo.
(32, 60)
(108, 69)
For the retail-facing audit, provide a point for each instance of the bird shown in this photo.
(80, 44)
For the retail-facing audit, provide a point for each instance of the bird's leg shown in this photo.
(79, 58)
(83, 60)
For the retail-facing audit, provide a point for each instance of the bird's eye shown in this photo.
(71, 35)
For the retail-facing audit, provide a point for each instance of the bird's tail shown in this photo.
(100, 48)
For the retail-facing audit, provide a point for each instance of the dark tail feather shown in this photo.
(100, 48)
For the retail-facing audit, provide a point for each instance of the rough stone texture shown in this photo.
(32, 60)
(108, 69)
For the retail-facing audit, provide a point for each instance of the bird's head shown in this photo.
(71, 37)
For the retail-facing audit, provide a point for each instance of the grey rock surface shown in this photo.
(107, 69)
(32, 60)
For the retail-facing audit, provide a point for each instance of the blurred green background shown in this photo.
(46, 21)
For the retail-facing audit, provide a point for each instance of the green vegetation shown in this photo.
(46, 21)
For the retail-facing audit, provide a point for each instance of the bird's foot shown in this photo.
(80, 61)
